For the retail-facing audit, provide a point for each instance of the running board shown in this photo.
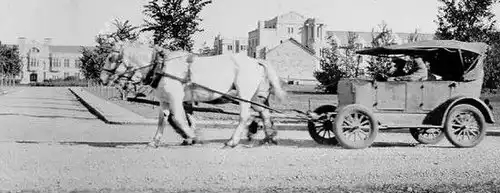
(390, 127)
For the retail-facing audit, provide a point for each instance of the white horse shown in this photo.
(179, 76)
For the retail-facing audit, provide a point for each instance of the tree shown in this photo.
(173, 22)
(339, 62)
(472, 21)
(492, 63)
(331, 71)
(93, 58)
(414, 37)
(465, 20)
(205, 50)
(10, 61)
(351, 60)
(380, 67)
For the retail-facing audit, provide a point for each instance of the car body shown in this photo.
(430, 109)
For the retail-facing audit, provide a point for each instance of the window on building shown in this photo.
(77, 75)
(77, 63)
(290, 30)
(66, 74)
(55, 62)
(243, 47)
(66, 63)
(229, 47)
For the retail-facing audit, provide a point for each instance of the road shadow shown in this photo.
(60, 104)
(49, 116)
(496, 134)
(54, 108)
(88, 143)
(220, 142)
(44, 98)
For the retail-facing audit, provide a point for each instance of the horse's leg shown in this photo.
(269, 129)
(161, 124)
(192, 124)
(242, 125)
(252, 129)
(179, 116)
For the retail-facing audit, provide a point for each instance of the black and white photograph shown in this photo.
(209, 96)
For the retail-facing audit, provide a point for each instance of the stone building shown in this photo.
(294, 62)
(273, 32)
(307, 34)
(44, 61)
(224, 45)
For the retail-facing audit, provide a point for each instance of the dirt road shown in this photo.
(50, 143)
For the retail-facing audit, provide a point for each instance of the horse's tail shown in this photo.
(273, 78)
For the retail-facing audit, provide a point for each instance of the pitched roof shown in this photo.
(295, 42)
(342, 36)
(66, 49)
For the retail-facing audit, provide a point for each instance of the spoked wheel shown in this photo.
(465, 126)
(322, 130)
(355, 127)
(427, 135)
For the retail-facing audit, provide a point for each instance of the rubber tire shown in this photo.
(313, 131)
(339, 133)
(479, 118)
(415, 133)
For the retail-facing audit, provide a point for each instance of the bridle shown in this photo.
(130, 70)
(128, 73)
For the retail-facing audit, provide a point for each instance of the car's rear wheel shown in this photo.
(465, 126)
(322, 130)
(355, 127)
(427, 135)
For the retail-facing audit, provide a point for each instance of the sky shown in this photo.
(77, 22)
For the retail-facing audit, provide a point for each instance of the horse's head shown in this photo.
(127, 61)
(113, 66)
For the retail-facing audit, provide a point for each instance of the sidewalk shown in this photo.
(108, 111)
(7, 90)
(113, 114)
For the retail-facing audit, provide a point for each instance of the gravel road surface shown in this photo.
(50, 143)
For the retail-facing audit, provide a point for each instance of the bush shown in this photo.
(61, 82)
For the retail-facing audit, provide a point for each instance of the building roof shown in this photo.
(66, 49)
(366, 37)
(293, 41)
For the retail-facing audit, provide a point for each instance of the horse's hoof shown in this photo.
(269, 141)
(230, 144)
(198, 140)
(153, 144)
(187, 142)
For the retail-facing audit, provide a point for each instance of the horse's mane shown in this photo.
(137, 53)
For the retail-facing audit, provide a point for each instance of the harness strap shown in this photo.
(230, 97)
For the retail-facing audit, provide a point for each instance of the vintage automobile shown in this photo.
(429, 109)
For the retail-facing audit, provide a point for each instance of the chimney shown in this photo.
(260, 24)
(47, 41)
(21, 41)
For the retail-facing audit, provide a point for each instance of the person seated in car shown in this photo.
(420, 73)
(399, 65)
